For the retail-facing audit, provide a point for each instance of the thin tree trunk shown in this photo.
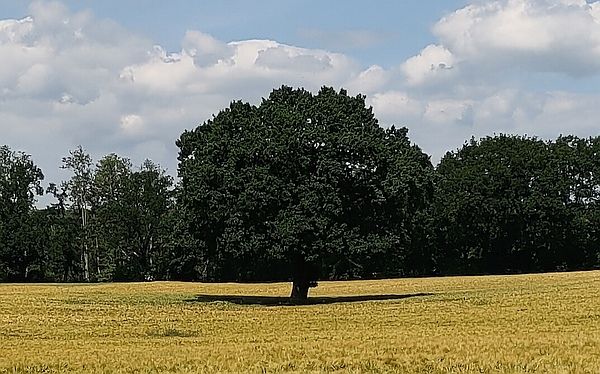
(86, 261)
(86, 268)
(148, 276)
(97, 261)
(25, 271)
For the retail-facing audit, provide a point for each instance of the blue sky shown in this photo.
(130, 76)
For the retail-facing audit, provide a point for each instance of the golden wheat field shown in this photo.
(508, 324)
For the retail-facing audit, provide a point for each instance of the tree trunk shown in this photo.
(86, 271)
(86, 266)
(303, 279)
(25, 271)
(300, 290)
(98, 272)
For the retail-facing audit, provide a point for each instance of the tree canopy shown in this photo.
(309, 182)
(518, 204)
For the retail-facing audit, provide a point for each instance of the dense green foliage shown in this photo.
(305, 187)
(108, 221)
(20, 181)
(515, 204)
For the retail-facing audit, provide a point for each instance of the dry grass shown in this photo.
(507, 324)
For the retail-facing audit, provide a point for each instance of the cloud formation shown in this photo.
(434, 63)
(69, 78)
(538, 35)
(501, 66)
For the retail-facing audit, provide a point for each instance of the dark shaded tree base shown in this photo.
(300, 290)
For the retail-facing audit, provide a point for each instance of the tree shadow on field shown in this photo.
(286, 301)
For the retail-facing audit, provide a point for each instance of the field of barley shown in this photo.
(506, 324)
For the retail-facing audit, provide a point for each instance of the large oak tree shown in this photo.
(309, 184)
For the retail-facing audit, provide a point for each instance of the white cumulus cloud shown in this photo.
(434, 63)
(538, 35)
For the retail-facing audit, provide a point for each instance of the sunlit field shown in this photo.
(508, 324)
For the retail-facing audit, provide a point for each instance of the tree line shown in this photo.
(107, 222)
(305, 187)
